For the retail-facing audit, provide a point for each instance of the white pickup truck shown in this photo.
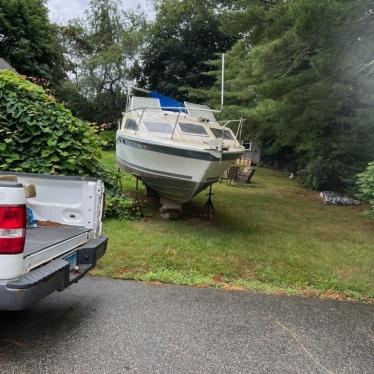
(64, 246)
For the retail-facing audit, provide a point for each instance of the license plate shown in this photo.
(72, 259)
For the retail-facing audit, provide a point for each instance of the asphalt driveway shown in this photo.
(109, 326)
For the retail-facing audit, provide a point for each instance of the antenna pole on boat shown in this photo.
(222, 79)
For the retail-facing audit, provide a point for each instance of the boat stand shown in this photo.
(137, 207)
(119, 179)
(208, 209)
(170, 209)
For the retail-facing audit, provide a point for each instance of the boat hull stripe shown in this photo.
(152, 171)
(187, 153)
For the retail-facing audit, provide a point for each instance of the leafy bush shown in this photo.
(119, 207)
(108, 139)
(366, 186)
(39, 135)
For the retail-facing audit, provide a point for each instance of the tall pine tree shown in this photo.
(303, 75)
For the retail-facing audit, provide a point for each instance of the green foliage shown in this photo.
(184, 37)
(118, 207)
(366, 186)
(300, 71)
(99, 52)
(28, 41)
(39, 135)
(68, 93)
(302, 74)
(108, 139)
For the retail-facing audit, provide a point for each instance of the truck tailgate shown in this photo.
(40, 238)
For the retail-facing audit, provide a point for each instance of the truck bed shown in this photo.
(40, 238)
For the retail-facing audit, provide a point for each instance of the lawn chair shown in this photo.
(230, 174)
(244, 177)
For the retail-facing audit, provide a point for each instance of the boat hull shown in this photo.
(177, 174)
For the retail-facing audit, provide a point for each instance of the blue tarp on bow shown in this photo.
(168, 102)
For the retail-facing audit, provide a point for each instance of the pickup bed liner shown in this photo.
(40, 238)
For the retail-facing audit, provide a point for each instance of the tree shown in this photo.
(184, 37)
(366, 186)
(39, 135)
(28, 41)
(302, 73)
(99, 52)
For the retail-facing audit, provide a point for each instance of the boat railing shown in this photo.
(175, 125)
(171, 108)
(180, 110)
(238, 134)
(223, 123)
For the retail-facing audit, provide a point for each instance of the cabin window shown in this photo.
(226, 133)
(131, 124)
(160, 127)
(191, 128)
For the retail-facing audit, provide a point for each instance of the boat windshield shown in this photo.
(159, 127)
(131, 124)
(191, 128)
(226, 133)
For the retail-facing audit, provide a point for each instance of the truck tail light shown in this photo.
(12, 229)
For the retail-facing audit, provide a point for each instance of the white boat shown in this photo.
(176, 151)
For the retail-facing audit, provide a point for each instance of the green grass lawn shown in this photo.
(272, 236)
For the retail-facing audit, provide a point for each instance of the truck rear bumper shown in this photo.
(56, 275)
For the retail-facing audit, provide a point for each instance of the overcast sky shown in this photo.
(60, 11)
